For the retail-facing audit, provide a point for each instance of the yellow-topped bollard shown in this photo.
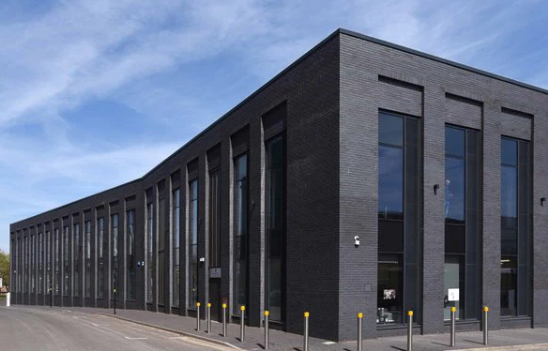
(224, 321)
(266, 330)
(410, 313)
(198, 304)
(305, 335)
(486, 309)
(485, 326)
(360, 332)
(410, 331)
(242, 323)
(267, 313)
(198, 326)
(453, 326)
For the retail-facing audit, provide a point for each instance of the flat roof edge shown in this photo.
(442, 60)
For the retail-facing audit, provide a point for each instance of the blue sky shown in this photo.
(95, 88)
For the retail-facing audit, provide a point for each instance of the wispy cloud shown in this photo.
(179, 65)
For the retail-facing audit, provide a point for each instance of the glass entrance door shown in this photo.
(453, 273)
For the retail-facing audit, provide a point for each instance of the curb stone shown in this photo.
(509, 348)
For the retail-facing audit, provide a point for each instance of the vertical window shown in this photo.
(461, 270)
(88, 259)
(114, 260)
(66, 267)
(276, 207)
(100, 258)
(193, 243)
(150, 248)
(40, 264)
(176, 225)
(398, 202)
(515, 228)
(32, 264)
(25, 264)
(48, 262)
(131, 254)
(161, 254)
(57, 263)
(214, 218)
(77, 248)
(240, 232)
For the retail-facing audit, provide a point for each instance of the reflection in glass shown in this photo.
(101, 263)
(390, 182)
(150, 251)
(275, 199)
(193, 243)
(176, 218)
(130, 222)
(390, 289)
(240, 233)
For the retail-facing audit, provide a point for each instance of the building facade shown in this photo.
(366, 177)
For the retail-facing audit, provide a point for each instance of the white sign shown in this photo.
(215, 272)
(1, 285)
(453, 294)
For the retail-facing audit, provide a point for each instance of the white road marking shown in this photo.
(95, 325)
(178, 337)
(127, 337)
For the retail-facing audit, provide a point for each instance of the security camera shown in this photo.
(202, 259)
(356, 241)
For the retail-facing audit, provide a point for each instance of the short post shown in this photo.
(114, 291)
(198, 316)
(453, 310)
(266, 331)
(50, 297)
(485, 327)
(242, 323)
(410, 331)
(306, 315)
(224, 321)
(8, 299)
(208, 316)
(360, 337)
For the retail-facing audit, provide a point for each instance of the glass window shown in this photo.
(397, 227)
(240, 233)
(130, 218)
(150, 251)
(193, 243)
(48, 262)
(455, 178)
(162, 232)
(176, 218)
(276, 207)
(77, 250)
(40, 264)
(516, 215)
(114, 259)
(57, 263)
(215, 219)
(66, 270)
(101, 242)
(88, 259)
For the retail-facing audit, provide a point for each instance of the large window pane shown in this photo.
(176, 218)
(390, 182)
(100, 257)
(390, 289)
(130, 286)
(114, 251)
(240, 233)
(455, 174)
(88, 259)
(276, 207)
(150, 251)
(161, 250)
(193, 243)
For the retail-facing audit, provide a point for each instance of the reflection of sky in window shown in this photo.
(509, 191)
(390, 179)
(455, 188)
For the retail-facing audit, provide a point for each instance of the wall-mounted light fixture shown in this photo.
(542, 201)
(436, 187)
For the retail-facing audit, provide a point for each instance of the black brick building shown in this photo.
(439, 169)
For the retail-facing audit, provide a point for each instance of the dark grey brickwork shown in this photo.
(333, 96)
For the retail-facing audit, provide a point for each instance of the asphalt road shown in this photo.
(42, 329)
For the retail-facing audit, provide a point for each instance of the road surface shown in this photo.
(28, 328)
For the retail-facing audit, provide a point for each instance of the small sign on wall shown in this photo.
(215, 272)
(453, 295)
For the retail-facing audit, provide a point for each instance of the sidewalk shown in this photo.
(281, 341)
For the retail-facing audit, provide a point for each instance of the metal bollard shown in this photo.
(485, 327)
(453, 310)
(410, 331)
(114, 292)
(242, 324)
(306, 315)
(208, 316)
(360, 337)
(198, 316)
(8, 299)
(224, 320)
(266, 331)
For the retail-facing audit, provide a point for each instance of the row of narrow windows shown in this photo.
(399, 222)
(45, 274)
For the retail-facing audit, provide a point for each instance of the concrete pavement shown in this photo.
(23, 328)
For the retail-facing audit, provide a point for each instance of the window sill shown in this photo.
(462, 322)
(514, 318)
